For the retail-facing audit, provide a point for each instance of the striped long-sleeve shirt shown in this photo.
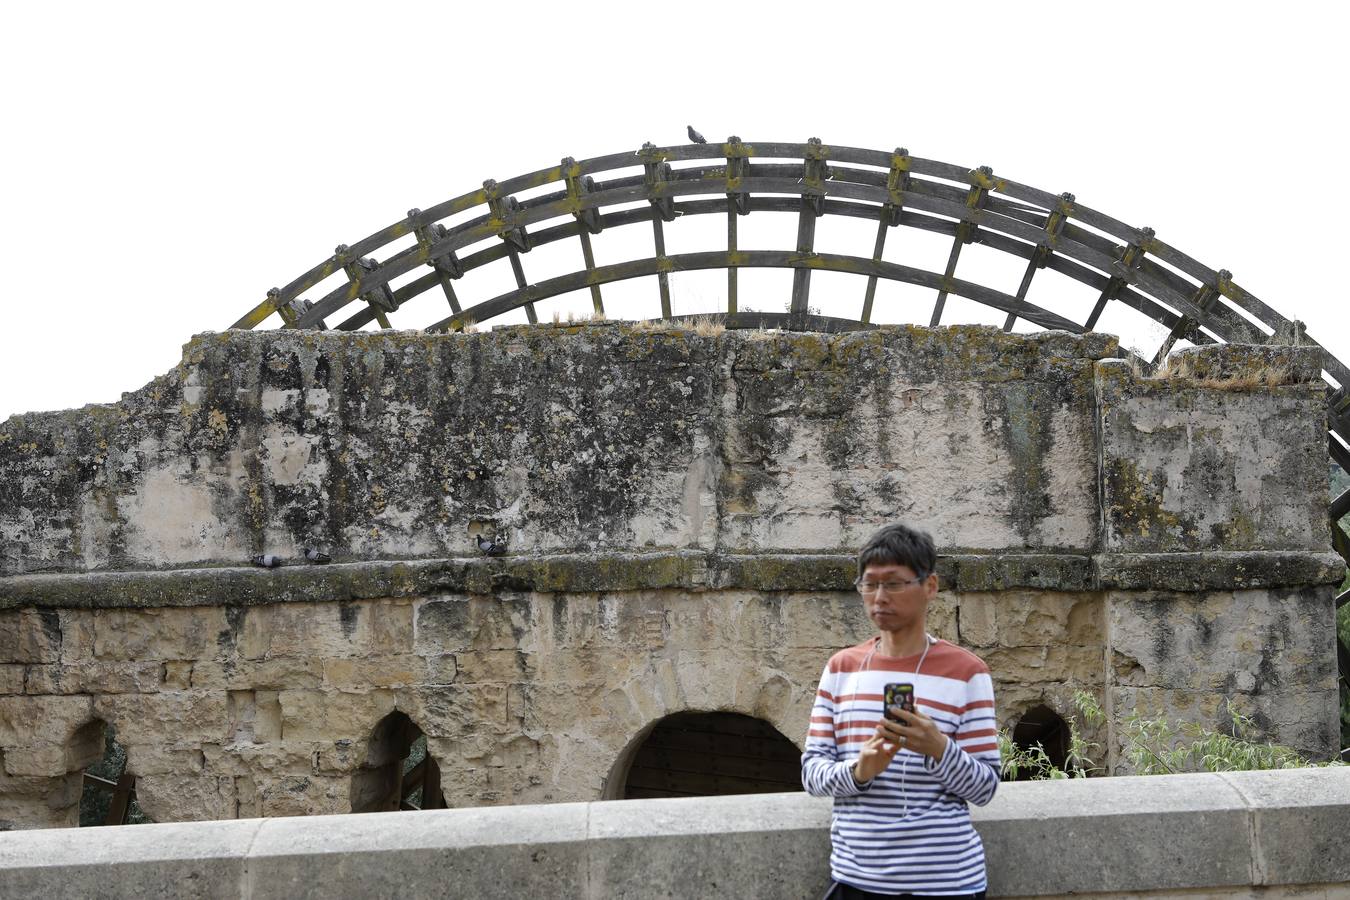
(908, 830)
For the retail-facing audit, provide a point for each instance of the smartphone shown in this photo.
(899, 694)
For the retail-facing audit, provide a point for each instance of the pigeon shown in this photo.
(317, 556)
(695, 136)
(491, 547)
(266, 561)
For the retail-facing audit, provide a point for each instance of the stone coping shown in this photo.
(1113, 836)
(688, 570)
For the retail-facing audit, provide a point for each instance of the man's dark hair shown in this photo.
(899, 545)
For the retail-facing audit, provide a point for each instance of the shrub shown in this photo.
(1154, 746)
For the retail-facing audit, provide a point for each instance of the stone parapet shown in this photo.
(1248, 834)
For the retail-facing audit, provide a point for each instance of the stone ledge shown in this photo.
(1108, 836)
(1231, 570)
(687, 570)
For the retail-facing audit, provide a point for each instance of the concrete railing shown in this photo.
(1285, 831)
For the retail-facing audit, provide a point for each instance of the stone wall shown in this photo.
(678, 509)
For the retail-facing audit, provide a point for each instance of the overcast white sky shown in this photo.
(164, 165)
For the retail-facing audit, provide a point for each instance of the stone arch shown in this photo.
(705, 753)
(107, 783)
(1042, 725)
(399, 771)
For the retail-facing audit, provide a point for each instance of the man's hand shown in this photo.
(874, 757)
(915, 731)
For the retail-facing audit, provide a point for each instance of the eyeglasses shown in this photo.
(886, 587)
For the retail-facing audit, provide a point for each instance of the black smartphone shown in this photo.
(899, 694)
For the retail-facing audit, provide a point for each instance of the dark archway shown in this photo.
(1044, 727)
(108, 789)
(399, 773)
(700, 754)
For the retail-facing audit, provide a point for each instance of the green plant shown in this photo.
(1154, 746)
(1157, 746)
(1037, 763)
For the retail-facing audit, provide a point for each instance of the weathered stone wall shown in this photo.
(679, 509)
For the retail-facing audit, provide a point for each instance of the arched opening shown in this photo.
(1042, 726)
(399, 773)
(108, 790)
(702, 754)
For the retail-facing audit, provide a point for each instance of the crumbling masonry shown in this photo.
(679, 511)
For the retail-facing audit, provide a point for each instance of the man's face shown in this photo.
(894, 610)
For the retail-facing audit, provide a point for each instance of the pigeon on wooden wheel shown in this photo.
(695, 136)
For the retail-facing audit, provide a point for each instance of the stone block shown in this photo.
(302, 715)
(573, 618)
(303, 795)
(273, 757)
(279, 673)
(708, 680)
(160, 758)
(159, 633)
(30, 636)
(644, 848)
(1047, 663)
(95, 677)
(454, 710)
(364, 673)
(822, 620)
(494, 666)
(1141, 834)
(77, 634)
(254, 716)
(332, 715)
(327, 629)
(12, 678)
(24, 720)
(451, 624)
(185, 797)
(1030, 619)
(1299, 820)
(177, 674)
(976, 620)
(45, 759)
(441, 669)
(38, 802)
(1250, 641)
(186, 715)
(1196, 464)
(361, 856)
(201, 861)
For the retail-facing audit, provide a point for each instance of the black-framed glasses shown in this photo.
(886, 587)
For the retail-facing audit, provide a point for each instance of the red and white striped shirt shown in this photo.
(908, 830)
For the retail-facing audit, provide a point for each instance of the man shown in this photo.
(900, 824)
